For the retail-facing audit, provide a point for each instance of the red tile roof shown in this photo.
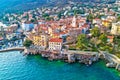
(110, 37)
(1, 38)
(56, 40)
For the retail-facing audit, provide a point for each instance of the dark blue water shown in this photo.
(15, 66)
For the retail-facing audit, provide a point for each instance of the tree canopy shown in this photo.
(103, 38)
(27, 43)
(81, 41)
(95, 32)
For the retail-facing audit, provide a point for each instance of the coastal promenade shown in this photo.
(86, 57)
(113, 61)
(73, 55)
(12, 49)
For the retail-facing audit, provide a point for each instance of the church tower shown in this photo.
(74, 22)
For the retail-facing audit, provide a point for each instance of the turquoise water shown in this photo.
(15, 66)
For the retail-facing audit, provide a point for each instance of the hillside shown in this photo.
(19, 5)
(22, 5)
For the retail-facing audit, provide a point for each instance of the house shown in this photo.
(12, 28)
(40, 40)
(10, 36)
(115, 28)
(27, 26)
(97, 21)
(106, 23)
(110, 39)
(55, 44)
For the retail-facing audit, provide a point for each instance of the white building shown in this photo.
(27, 26)
(115, 28)
(55, 44)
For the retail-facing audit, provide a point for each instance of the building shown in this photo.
(55, 44)
(40, 40)
(115, 28)
(106, 23)
(74, 22)
(97, 21)
(27, 26)
(110, 39)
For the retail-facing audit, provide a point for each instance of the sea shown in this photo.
(15, 66)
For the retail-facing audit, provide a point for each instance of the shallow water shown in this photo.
(15, 66)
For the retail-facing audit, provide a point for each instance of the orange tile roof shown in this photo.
(1, 38)
(110, 37)
(56, 40)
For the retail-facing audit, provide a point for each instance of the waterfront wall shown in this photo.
(68, 56)
(71, 56)
(113, 61)
(13, 49)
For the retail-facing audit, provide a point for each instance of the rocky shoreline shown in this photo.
(68, 56)
(72, 56)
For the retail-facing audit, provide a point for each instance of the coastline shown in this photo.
(38, 68)
(87, 59)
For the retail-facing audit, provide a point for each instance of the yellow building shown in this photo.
(106, 23)
(115, 28)
(56, 35)
(41, 40)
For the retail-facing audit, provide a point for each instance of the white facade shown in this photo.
(55, 46)
(115, 28)
(74, 22)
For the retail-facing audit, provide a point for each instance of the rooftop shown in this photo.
(55, 40)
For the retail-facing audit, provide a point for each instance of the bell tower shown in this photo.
(74, 22)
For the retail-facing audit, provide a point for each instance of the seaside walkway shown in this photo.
(82, 52)
(12, 49)
(113, 60)
(81, 56)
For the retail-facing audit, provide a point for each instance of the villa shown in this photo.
(55, 44)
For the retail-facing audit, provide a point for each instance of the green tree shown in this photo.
(116, 42)
(82, 41)
(118, 18)
(45, 15)
(90, 17)
(27, 43)
(75, 12)
(95, 32)
(59, 15)
(103, 38)
(6, 19)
